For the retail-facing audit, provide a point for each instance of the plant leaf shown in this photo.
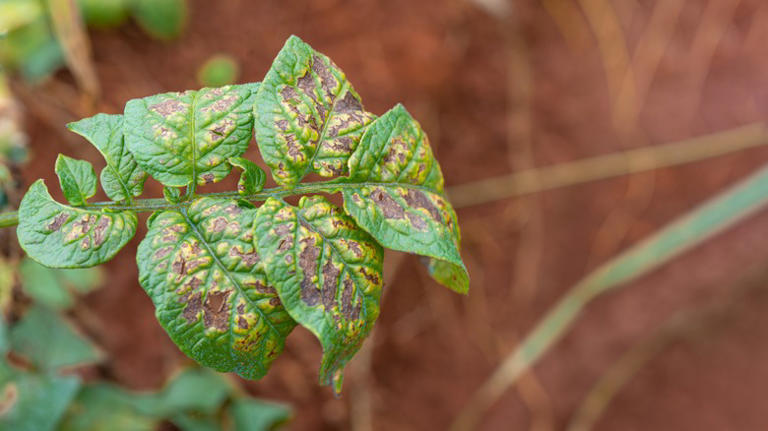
(60, 236)
(39, 400)
(51, 287)
(400, 200)
(200, 268)
(48, 341)
(253, 414)
(184, 137)
(77, 179)
(253, 177)
(122, 178)
(326, 271)
(308, 116)
(104, 407)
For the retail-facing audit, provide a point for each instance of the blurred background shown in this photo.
(501, 87)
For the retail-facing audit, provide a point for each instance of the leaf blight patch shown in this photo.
(327, 272)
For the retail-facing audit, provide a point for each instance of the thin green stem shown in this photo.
(154, 204)
(9, 219)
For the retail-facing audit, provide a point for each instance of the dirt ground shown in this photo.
(498, 89)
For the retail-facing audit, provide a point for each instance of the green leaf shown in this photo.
(77, 179)
(60, 236)
(51, 287)
(181, 138)
(104, 407)
(49, 343)
(256, 415)
(163, 19)
(42, 285)
(217, 71)
(326, 271)
(253, 177)
(172, 194)
(121, 179)
(400, 200)
(308, 116)
(37, 401)
(200, 268)
(103, 13)
(194, 389)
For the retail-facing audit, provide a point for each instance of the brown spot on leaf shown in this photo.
(99, 232)
(348, 104)
(208, 178)
(219, 224)
(282, 125)
(328, 81)
(179, 266)
(417, 199)
(233, 210)
(216, 310)
(308, 263)
(168, 107)
(372, 277)
(249, 258)
(159, 254)
(242, 323)
(416, 221)
(262, 288)
(275, 302)
(350, 312)
(330, 281)
(224, 104)
(59, 220)
(390, 208)
(194, 304)
(355, 247)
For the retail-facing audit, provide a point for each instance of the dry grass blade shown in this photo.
(705, 221)
(608, 166)
(74, 41)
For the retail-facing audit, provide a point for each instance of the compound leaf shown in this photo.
(326, 271)
(308, 116)
(60, 236)
(77, 179)
(200, 268)
(122, 178)
(181, 138)
(400, 198)
(253, 177)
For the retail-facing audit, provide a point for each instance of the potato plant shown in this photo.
(229, 279)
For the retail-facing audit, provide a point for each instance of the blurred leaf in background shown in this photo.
(54, 287)
(162, 19)
(217, 71)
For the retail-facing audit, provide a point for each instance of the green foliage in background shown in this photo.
(217, 71)
(28, 42)
(229, 280)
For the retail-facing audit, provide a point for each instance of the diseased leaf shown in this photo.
(253, 177)
(48, 341)
(37, 401)
(60, 236)
(326, 271)
(201, 269)
(308, 116)
(400, 200)
(122, 178)
(77, 179)
(180, 138)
